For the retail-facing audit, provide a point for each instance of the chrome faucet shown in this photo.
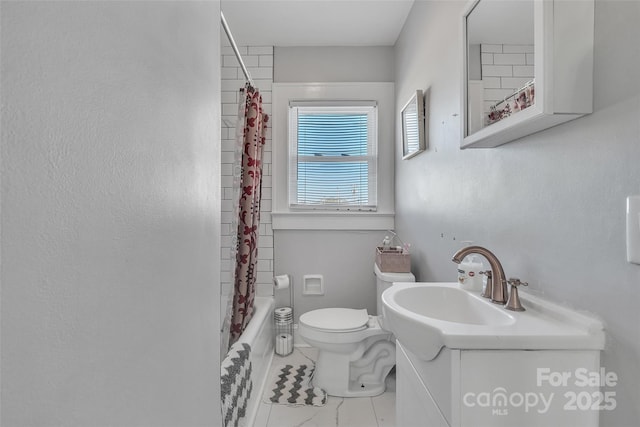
(498, 291)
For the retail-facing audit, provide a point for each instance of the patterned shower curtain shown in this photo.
(250, 144)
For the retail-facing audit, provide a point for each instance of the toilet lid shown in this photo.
(336, 319)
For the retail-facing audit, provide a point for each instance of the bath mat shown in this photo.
(292, 386)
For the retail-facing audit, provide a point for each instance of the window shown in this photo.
(333, 155)
(292, 212)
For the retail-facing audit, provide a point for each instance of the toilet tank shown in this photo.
(384, 280)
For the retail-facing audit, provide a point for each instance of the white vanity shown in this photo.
(478, 388)
(463, 361)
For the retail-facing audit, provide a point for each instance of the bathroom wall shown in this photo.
(551, 205)
(344, 258)
(333, 64)
(110, 213)
(259, 62)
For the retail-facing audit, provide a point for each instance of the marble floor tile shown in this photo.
(384, 407)
(356, 412)
(378, 411)
(305, 416)
(262, 416)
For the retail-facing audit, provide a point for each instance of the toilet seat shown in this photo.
(338, 320)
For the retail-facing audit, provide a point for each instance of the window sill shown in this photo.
(332, 221)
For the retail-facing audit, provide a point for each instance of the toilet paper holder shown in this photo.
(282, 282)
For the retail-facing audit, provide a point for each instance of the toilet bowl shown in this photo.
(355, 352)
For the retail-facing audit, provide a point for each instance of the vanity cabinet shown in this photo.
(415, 404)
(500, 388)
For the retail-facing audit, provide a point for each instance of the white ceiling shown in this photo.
(316, 22)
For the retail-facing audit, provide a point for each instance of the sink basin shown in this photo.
(428, 316)
(450, 304)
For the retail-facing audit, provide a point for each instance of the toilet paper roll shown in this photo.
(284, 344)
(283, 311)
(283, 315)
(281, 282)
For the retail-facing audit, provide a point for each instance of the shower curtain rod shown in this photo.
(235, 48)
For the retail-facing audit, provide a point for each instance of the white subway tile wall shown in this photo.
(259, 62)
(505, 68)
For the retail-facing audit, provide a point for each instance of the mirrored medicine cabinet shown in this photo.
(527, 66)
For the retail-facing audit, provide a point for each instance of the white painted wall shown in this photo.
(344, 258)
(110, 213)
(552, 205)
(333, 64)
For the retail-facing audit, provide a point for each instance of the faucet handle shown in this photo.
(514, 281)
(513, 303)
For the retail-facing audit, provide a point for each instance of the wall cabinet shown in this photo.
(500, 388)
(539, 56)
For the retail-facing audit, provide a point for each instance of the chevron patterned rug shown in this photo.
(293, 387)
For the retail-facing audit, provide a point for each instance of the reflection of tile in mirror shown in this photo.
(500, 47)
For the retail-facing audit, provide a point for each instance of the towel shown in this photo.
(235, 384)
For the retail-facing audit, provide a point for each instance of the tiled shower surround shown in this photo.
(505, 68)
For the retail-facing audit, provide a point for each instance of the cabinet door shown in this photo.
(536, 388)
(414, 405)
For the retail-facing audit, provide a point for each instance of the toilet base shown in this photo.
(363, 390)
(359, 374)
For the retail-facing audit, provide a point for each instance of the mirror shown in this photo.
(413, 118)
(527, 66)
(500, 61)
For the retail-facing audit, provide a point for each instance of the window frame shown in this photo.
(370, 108)
(281, 215)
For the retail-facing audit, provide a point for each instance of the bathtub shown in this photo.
(259, 335)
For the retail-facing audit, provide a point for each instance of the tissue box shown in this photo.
(393, 260)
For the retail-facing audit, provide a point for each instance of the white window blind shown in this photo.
(333, 155)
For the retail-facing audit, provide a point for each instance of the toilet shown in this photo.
(355, 351)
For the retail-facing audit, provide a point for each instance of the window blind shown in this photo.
(333, 157)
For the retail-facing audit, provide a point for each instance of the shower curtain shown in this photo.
(250, 140)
